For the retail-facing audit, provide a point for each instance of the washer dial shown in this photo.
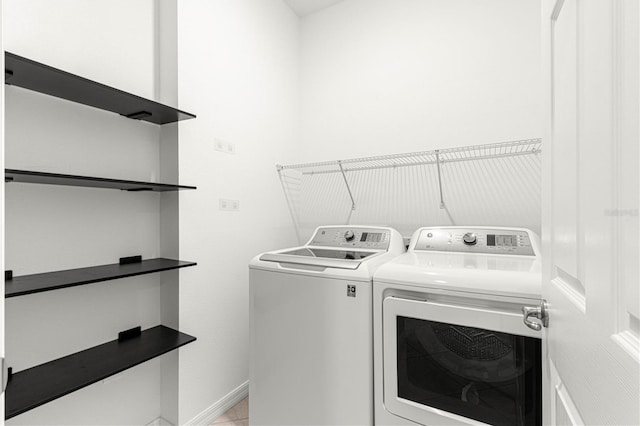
(470, 239)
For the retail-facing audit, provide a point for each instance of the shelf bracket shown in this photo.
(130, 334)
(136, 189)
(346, 182)
(290, 202)
(130, 259)
(138, 115)
(439, 178)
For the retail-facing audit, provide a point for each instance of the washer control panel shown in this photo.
(475, 240)
(367, 238)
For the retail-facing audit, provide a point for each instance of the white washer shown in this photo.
(450, 343)
(311, 329)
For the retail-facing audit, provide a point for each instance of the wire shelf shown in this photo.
(489, 184)
(468, 153)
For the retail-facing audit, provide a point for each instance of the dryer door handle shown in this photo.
(539, 312)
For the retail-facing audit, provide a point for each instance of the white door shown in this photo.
(590, 212)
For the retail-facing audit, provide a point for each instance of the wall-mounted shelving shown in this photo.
(471, 184)
(36, 283)
(44, 383)
(32, 75)
(449, 155)
(27, 176)
(41, 384)
(436, 157)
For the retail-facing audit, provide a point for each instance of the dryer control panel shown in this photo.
(475, 240)
(357, 237)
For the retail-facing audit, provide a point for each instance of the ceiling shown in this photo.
(306, 7)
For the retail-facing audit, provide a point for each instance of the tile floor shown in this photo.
(238, 415)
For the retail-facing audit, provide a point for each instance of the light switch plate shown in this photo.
(224, 146)
(229, 205)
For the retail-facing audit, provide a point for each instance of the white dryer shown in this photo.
(311, 328)
(451, 346)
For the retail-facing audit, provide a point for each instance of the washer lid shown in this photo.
(341, 259)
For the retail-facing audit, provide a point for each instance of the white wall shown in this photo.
(238, 72)
(107, 41)
(396, 76)
(52, 227)
(392, 76)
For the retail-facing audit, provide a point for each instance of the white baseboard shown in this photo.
(220, 407)
(160, 421)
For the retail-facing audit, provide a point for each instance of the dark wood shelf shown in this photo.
(32, 75)
(44, 383)
(27, 176)
(36, 283)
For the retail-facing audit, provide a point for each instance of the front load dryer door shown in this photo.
(459, 365)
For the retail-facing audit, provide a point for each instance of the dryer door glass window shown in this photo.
(484, 375)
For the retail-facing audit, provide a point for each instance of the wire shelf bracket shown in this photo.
(346, 182)
(439, 178)
(290, 204)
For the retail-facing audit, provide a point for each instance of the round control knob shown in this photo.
(349, 235)
(470, 239)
